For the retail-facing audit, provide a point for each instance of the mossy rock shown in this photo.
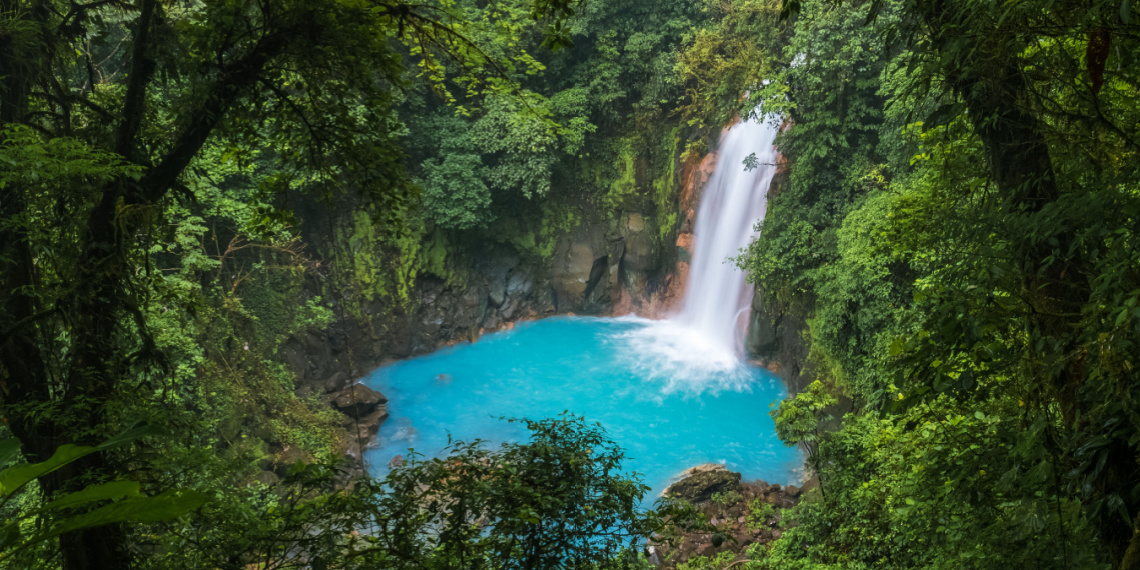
(700, 487)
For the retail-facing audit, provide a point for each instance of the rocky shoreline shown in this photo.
(738, 514)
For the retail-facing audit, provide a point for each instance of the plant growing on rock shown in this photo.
(726, 498)
(760, 513)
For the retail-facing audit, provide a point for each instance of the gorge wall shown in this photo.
(605, 264)
(636, 261)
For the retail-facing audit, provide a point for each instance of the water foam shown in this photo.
(679, 359)
(700, 348)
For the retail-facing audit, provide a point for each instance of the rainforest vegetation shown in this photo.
(956, 227)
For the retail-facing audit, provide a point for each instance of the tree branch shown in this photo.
(234, 81)
(142, 69)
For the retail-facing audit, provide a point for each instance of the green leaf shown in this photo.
(166, 506)
(897, 347)
(12, 479)
(106, 491)
(129, 435)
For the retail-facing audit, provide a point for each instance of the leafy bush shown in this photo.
(455, 195)
(759, 513)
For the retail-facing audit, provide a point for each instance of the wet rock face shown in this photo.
(606, 267)
(572, 272)
(359, 400)
(776, 339)
(364, 412)
(776, 332)
(740, 514)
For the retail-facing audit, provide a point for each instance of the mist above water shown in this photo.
(704, 341)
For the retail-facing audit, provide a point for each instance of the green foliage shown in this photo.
(736, 53)
(719, 562)
(830, 95)
(558, 500)
(96, 505)
(624, 185)
(151, 263)
(726, 498)
(956, 227)
(798, 419)
(588, 124)
(760, 514)
(455, 196)
(945, 232)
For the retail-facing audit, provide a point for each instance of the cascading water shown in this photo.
(656, 386)
(733, 202)
(700, 348)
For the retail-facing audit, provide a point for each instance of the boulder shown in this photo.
(363, 430)
(492, 322)
(334, 383)
(640, 254)
(700, 486)
(572, 272)
(735, 531)
(359, 400)
(519, 284)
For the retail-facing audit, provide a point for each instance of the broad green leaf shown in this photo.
(897, 347)
(166, 506)
(12, 479)
(106, 491)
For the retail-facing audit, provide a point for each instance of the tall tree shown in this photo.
(134, 91)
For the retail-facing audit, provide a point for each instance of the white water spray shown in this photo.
(704, 342)
(733, 202)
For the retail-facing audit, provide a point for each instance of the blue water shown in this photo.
(668, 411)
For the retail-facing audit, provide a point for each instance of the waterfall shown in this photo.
(733, 202)
(703, 343)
